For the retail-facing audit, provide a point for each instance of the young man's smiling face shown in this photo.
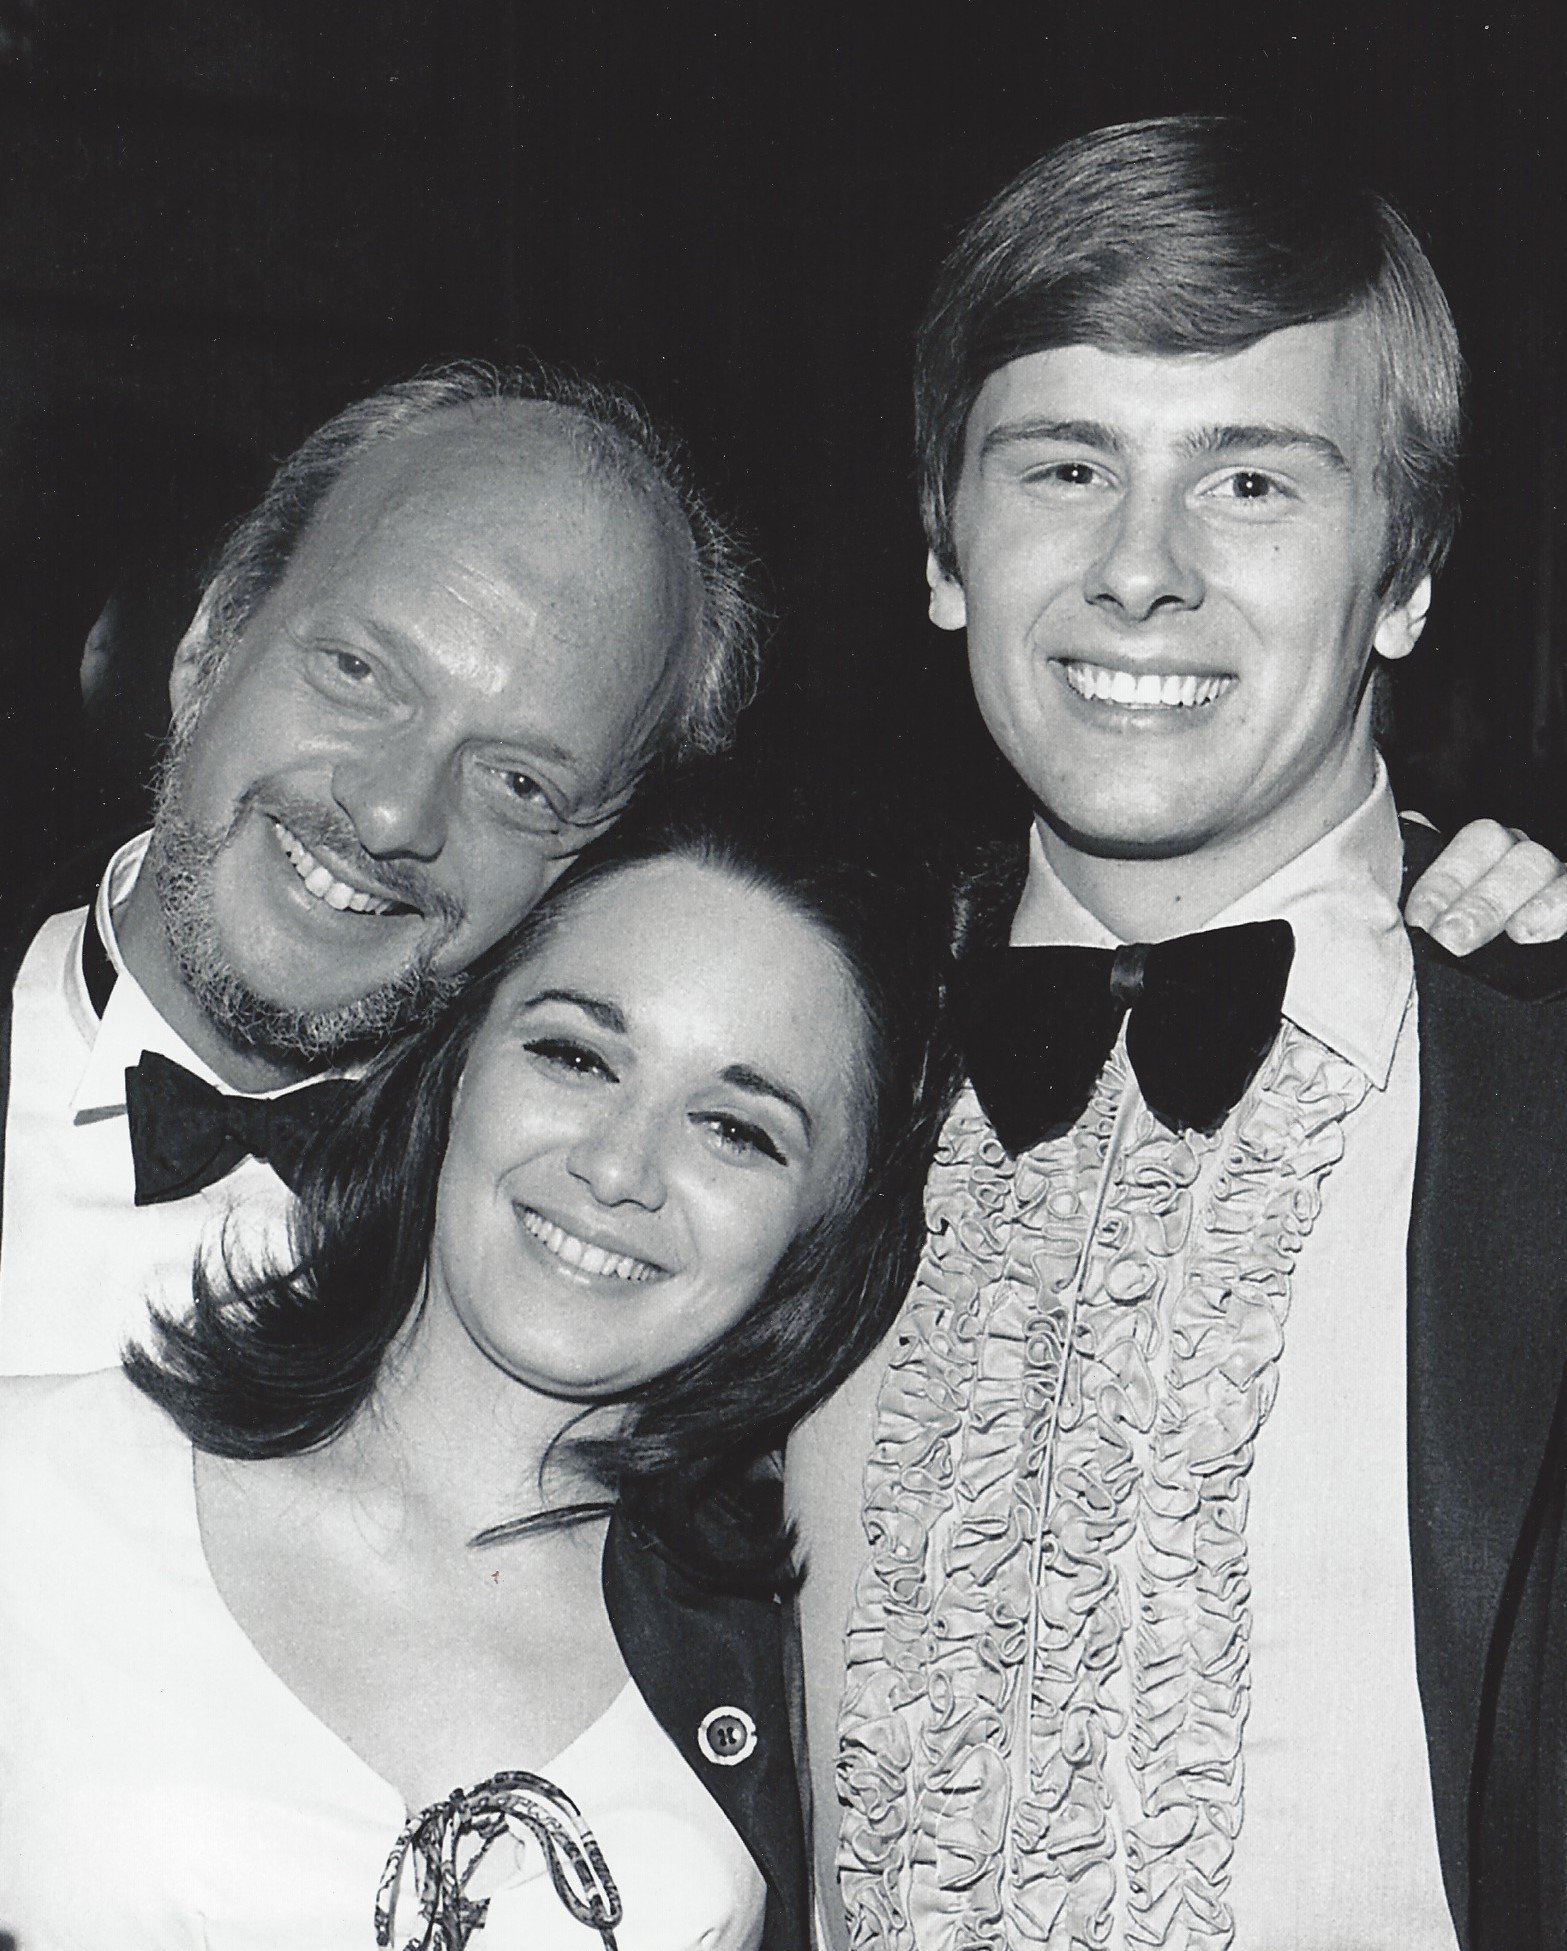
(1169, 572)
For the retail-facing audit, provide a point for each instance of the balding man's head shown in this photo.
(520, 409)
(429, 667)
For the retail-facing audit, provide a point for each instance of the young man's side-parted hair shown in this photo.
(1195, 234)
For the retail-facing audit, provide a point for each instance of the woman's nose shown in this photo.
(618, 1158)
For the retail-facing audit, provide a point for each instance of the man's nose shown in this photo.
(395, 793)
(617, 1156)
(1146, 562)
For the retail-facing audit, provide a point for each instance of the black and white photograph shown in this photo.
(783, 1044)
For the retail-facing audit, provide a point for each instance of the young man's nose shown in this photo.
(1146, 562)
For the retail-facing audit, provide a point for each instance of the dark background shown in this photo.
(222, 220)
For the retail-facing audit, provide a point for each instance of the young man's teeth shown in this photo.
(578, 1253)
(323, 883)
(1147, 692)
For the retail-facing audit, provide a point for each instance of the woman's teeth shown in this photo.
(323, 883)
(1147, 692)
(578, 1253)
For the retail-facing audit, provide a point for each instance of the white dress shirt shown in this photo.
(1338, 1844)
(80, 1262)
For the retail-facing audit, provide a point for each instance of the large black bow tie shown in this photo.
(185, 1135)
(1038, 1024)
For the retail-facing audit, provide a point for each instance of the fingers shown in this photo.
(1488, 879)
(1543, 918)
(1466, 859)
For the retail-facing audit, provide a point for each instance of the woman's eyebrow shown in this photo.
(744, 1078)
(604, 1014)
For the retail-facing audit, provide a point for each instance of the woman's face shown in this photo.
(656, 1105)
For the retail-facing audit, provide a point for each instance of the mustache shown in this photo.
(327, 830)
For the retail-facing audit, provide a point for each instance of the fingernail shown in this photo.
(1455, 935)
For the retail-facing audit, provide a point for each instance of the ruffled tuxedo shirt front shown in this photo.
(1131, 1654)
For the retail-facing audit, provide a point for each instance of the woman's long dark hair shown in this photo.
(272, 1363)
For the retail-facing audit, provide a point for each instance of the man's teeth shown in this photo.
(323, 883)
(578, 1253)
(1146, 692)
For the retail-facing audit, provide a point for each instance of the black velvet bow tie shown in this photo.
(1038, 1024)
(185, 1135)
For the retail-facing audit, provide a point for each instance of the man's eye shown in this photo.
(1064, 474)
(346, 663)
(740, 1136)
(576, 1059)
(1248, 485)
(523, 798)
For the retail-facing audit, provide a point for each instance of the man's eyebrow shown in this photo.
(1218, 442)
(1039, 427)
(744, 1078)
(536, 744)
(605, 1014)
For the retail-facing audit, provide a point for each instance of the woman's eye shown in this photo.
(576, 1059)
(740, 1136)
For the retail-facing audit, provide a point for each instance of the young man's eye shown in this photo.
(1249, 485)
(1064, 474)
(740, 1136)
(565, 1054)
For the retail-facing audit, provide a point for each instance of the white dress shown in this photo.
(161, 1789)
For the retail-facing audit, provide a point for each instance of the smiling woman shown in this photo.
(484, 1484)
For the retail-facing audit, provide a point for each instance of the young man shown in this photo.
(429, 667)
(1195, 1527)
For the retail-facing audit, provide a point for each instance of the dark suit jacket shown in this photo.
(1488, 1427)
(1487, 1328)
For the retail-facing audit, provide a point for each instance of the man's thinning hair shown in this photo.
(1195, 234)
(612, 432)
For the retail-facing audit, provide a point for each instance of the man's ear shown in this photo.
(948, 608)
(1400, 628)
(187, 658)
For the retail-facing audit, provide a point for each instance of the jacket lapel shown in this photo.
(692, 1652)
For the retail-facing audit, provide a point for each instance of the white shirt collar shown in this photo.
(131, 1024)
(1350, 982)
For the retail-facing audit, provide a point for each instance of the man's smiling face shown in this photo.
(443, 697)
(1169, 576)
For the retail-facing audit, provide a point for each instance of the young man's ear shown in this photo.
(948, 610)
(187, 658)
(1400, 628)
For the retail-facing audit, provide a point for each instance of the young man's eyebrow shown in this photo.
(1218, 443)
(1040, 427)
(744, 1078)
(604, 1014)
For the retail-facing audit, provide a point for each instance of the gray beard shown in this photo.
(183, 859)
